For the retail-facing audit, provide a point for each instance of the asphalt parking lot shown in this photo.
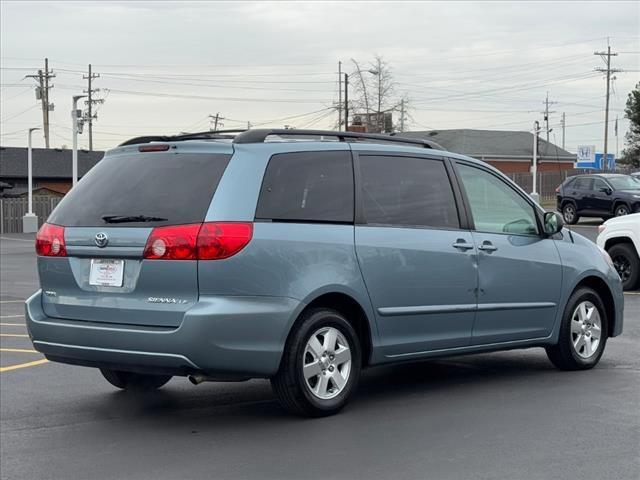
(506, 415)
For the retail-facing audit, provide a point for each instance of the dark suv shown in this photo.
(602, 195)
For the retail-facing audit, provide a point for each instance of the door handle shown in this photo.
(462, 245)
(487, 247)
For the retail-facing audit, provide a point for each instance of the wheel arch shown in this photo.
(353, 312)
(600, 286)
(617, 240)
(617, 202)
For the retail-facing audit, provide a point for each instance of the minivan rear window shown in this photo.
(177, 187)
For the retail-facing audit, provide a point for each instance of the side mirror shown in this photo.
(606, 190)
(552, 223)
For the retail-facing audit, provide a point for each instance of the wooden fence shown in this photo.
(13, 209)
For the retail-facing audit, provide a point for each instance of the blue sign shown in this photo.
(597, 163)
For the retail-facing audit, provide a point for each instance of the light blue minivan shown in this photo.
(304, 257)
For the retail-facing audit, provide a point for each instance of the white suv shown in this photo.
(620, 237)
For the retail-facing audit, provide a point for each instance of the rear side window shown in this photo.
(308, 187)
(407, 191)
(583, 183)
(178, 187)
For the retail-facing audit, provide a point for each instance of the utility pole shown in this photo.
(90, 102)
(606, 56)
(339, 95)
(249, 125)
(346, 102)
(563, 122)
(42, 94)
(214, 122)
(546, 114)
(402, 119)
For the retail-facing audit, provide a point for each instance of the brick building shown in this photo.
(508, 151)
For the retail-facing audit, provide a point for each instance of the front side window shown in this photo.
(626, 182)
(407, 191)
(495, 206)
(308, 187)
(598, 185)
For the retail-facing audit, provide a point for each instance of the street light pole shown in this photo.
(76, 119)
(534, 168)
(30, 221)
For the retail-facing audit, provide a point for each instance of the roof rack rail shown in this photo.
(213, 135)
(259, 135)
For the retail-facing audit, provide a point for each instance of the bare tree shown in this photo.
(374, 91)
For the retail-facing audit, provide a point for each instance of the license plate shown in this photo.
(106, 272)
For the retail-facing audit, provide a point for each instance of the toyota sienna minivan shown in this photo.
(304, 257)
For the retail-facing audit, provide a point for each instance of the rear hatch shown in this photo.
(108, 218)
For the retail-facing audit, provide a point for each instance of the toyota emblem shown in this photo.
(101, 239)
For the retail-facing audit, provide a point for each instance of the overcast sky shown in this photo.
(166, 66)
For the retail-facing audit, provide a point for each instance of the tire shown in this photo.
(569, 213)
(135, 382)
(563, 354)
(295, 389)
(627, 264)
(621, 210)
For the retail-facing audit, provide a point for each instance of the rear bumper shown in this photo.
(221, 336)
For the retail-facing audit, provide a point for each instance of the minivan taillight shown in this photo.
(50, 241)
(207, 241)
(218, 240)
(558, 189)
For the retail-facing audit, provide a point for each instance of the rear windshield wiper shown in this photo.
(131, 218)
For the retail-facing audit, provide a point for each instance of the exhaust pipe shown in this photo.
(199, 378)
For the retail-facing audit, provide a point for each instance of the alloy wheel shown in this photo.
(326, 363)
(586, 329)
(621, 211)
(623, 266)
(569, 213)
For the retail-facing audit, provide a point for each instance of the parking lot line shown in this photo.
(14, 335)
(12, 325)
(632, 293)
(18, 350)
(11, 316)
(11, 301)
(23, 365)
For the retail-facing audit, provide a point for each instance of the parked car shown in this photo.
(620, 237)
(305, 262)
(636, 174)
(602, 195)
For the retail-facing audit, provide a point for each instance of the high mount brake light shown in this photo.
(207, 241)
(50, 241)
(154, 148)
